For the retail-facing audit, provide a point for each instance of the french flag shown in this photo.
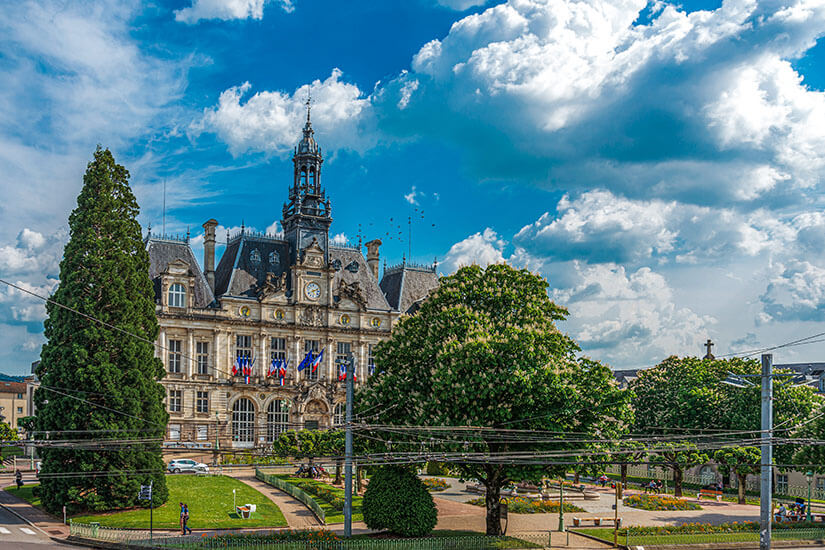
(317, 361)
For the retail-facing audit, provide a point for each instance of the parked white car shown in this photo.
(187, 465)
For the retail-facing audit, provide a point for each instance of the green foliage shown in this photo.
(435, 484)
(113, 378)
(678, 456)
(309, 444)
(26, 423)
(739, 461)
(813, 454)
(437, 468)
(659, 502)
(7, 433)
(522, 505)
(484, 350)
(398, 502)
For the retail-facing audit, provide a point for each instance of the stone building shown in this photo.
(272, 297)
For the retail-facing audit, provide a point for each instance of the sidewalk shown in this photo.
(52, 526)
(297, 515)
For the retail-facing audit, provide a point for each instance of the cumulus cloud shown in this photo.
(483, 248)
(797, 292)
(271, 121)
(340, 239)
(703, 107)
(226, 10)
(628, 317)
(599, 226)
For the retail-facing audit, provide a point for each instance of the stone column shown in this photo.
(190, 353)
(212, 361)
(263, 362)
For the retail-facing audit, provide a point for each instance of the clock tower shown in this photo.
(307, 216)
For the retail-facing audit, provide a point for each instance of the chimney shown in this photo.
(209, 252)
(372, 256)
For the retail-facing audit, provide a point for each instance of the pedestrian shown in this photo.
(186, 520)
(18, 478)
(182, 514)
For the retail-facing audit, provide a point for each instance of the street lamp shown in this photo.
(810, 477)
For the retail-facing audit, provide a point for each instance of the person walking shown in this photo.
(18, 478)
(182, 515)
(186, 529)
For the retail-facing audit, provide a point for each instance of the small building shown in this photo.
(15, 402)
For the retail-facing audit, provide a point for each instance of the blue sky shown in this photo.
(661, 164)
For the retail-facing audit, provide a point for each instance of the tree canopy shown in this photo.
(101, 382)
(483, 357)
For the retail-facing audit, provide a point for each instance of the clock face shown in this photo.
(312, 291)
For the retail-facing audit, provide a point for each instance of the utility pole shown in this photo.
(767, 453)
(616, 515)
(348, 449)
(561, 504)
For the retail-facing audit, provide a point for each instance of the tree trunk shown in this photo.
(491, 497)
(743, 480)
(575, 478)
(337, 473)
(624, 474)
(677, 481)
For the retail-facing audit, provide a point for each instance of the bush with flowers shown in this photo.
(235, 539)
(435, 484)
(659, 502)
(522, 505)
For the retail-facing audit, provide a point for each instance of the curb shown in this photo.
(13, 512)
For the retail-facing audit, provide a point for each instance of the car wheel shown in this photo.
(176, 471)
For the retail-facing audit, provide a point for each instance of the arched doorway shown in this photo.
(316, 415)
(243, 423)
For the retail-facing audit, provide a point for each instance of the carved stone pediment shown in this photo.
(352, 292)
(271, 286)
(313, 255)
(312, 316)
(178, 267)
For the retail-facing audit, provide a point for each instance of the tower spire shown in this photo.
(309, 105)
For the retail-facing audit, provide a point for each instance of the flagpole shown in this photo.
(348, 449)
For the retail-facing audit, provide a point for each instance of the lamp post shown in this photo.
(810, 477)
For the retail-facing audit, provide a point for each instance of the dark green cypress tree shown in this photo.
(104, 274)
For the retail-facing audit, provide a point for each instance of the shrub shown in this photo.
(437, 469)
(398, 502)
(659, 503)
(434, 484)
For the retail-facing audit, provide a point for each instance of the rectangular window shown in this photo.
(174, 347)
(342, 355)
(312, 345)
(19, 410)
(370, 360)
(174, 432)
(202, 353)
(782, 484)
(277, 349)
(202, 401)
(243, 347)
(175, 400)
(19, 396)
(202, 433)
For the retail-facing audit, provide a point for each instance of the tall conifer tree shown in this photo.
(100, 383)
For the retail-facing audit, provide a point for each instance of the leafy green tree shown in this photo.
(7, 433)
(741, 462)
(687, 396)
(398, 502)
(309, 444)
(634, 453)
(677, 457)
(484, 351)
(812, 456)
(26, 423)
(97, 378)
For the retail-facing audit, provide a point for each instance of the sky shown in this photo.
(660, 164)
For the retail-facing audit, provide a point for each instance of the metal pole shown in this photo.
(561, 505)
(616, 515)
(810, 477)
(348, 450)
(151, 507)
(767, 453)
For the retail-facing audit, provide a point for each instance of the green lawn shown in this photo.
(26, 493)
(210, 506)
(333, 515)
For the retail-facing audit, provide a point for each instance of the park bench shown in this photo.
(246, 510)
(598, 521)
(818, 517)
(711, 493)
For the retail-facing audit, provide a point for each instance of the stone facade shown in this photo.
(269, 297)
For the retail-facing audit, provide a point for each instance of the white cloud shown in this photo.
(340, 239)
(460, 5)
(271, 121)
(797, 292)
(628, 317)
(702, 107)
(226, 10)
(411, 196)
(483, 248)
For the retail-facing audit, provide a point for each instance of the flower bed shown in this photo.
(521, 505)
(434, 484)
(698, 528)
(659, 503)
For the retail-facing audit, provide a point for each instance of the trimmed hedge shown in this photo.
(398, 502)
(659, 503)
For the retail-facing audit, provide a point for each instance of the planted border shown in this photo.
(293, 491)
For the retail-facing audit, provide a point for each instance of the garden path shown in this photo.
(297, 515)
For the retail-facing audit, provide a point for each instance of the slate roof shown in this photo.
(406, 285)
(246, 261)
(349, 258)
(162, 252)
(816, 369)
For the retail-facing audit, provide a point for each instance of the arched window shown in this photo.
(303, 176)
(277, 419)
(312, 182)
(243, 421)
(177, 295)
(338, 415)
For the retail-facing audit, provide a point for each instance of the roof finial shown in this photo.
(309, 103)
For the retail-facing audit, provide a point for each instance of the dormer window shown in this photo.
(177, 295)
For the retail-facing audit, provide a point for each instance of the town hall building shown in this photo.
(272, 298)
